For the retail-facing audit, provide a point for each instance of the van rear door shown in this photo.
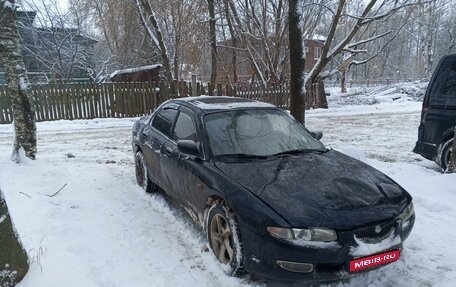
(438, 116)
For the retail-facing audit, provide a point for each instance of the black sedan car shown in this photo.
(272, 199)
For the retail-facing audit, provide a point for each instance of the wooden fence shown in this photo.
(278, 95)
(89, 100)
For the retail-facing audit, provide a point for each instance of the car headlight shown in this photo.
(406, 213)
(309, 234)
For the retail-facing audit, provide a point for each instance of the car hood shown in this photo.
(320, 189)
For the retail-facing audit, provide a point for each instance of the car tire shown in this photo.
(142, 177)
(444, 154)
(224, 238)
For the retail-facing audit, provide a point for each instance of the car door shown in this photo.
(186, 170)
(157, 134)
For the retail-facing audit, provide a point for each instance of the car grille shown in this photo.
(369, 235)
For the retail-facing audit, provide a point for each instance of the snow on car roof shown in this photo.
(224, 103)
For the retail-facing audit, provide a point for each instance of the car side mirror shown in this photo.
(317, 134)
(188, 147)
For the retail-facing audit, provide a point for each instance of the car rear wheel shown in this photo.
(142, 177)
(224, 238)
(445, 154)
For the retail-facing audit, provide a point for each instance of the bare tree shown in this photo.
(261, 28)
(17, 82)
(256, 32)
(149, 20)
(55, 42)
(355, 25)
(123, 41)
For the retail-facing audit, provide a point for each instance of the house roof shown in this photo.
(318, 38)
(26, 17)
(74, 31)
(134, 70)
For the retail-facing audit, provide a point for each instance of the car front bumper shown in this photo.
(263, 253)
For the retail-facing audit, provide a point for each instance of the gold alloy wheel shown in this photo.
(221, 239)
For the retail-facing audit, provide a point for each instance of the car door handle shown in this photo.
(169, 150)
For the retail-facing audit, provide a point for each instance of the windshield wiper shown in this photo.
(298, 151)
(244, 155)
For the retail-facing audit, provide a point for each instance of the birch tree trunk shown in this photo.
(13, 258)
(17, 82)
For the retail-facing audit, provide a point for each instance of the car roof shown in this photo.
(217, 103)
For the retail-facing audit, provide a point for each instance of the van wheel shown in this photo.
(444, 155)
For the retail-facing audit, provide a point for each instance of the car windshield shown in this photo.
(257, 132)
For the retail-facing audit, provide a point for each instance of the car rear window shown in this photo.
(449, 89)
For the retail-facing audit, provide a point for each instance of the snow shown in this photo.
(134, 70)
(2, 218)
(318, 37)
(234, 105)
(23, 83)
(7, 5)
(316, 244)
(364, 249)
(103, 230)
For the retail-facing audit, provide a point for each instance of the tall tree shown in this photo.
(260, 30)
(150, 22)
(17, 82)
(296, 63)
(13, 258)
(213, 37)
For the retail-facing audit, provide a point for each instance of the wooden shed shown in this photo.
(149, 73)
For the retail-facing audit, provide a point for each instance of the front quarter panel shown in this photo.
(138, 127)
(250, 211)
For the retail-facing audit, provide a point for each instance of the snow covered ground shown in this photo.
(102, 230)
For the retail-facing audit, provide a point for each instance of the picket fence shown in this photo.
(114, 100)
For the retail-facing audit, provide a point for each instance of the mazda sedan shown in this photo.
(272, 199)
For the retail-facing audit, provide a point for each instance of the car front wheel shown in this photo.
(224, 238)
(142, 177)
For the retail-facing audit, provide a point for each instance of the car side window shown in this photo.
(450, 85)
(185, 128)
(164, 120)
